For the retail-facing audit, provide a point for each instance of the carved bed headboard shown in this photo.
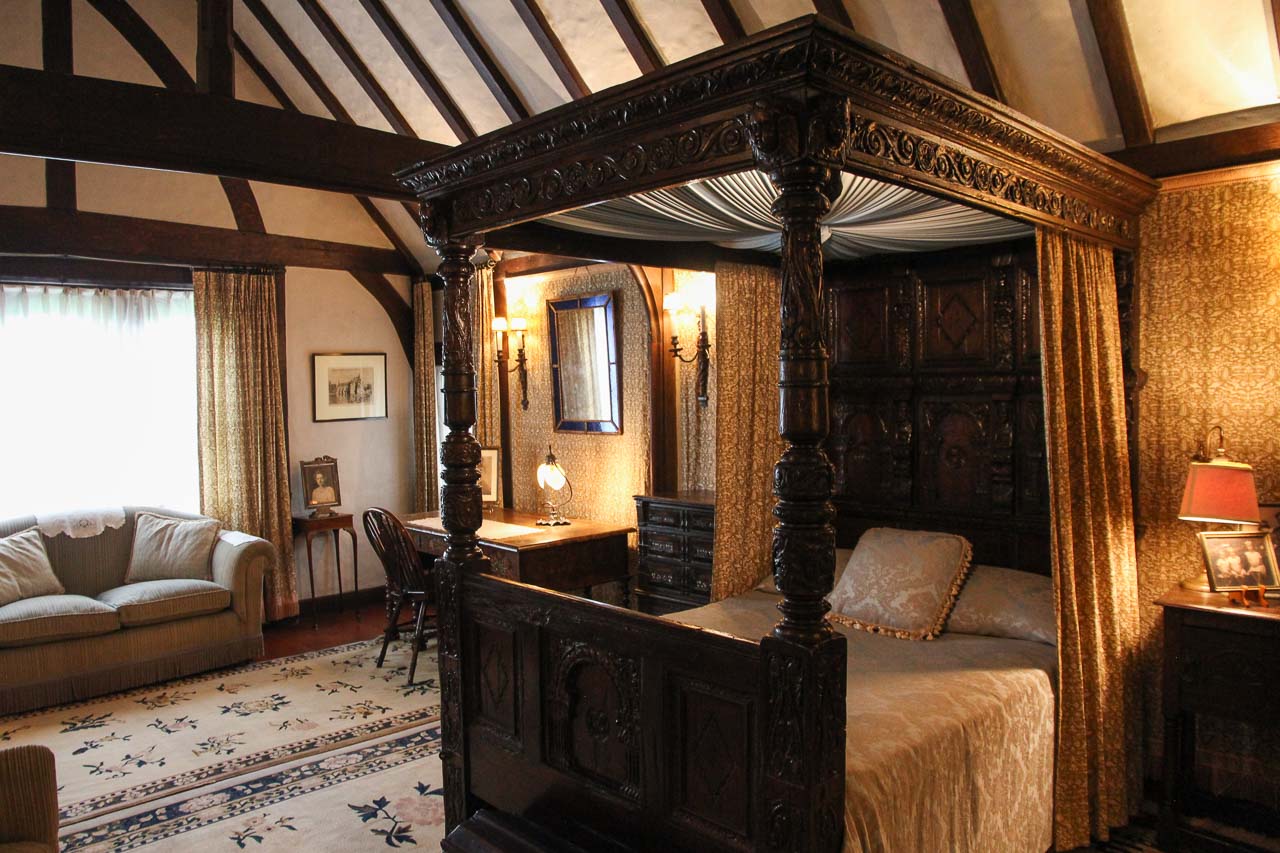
(937, 420)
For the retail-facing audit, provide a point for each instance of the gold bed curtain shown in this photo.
(484, 355)
(426, 492)
(748, 304)
(1098, 764)
(244, 465)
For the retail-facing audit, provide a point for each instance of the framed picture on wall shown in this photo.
(1239, 559)
(348, 386)
(489, 475)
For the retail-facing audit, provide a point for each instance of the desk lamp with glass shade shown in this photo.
(1218, 491)
(556, 490)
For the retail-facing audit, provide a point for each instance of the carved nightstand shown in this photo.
(1220, 660)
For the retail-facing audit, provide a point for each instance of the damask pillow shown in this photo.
(1000, 602)
(25, 571)
(901, 582)
(167, 548)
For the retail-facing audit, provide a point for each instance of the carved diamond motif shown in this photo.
(956, 320)
(712, 756)
(494, 674)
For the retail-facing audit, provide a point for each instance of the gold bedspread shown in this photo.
(950, 743)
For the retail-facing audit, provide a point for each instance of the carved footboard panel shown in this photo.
(582, 716)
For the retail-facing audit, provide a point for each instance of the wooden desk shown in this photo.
(311, 527)
(569, 558)
(1218, 660)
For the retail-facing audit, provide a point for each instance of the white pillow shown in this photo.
(998, 602)
(901, 582)
(171, 548)
(25, 571)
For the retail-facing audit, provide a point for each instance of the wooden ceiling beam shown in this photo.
(347, 54)
(57, 52)
(299, 62)
(418, 68)
(539, 264)
(215, 63)
(1111, 28)
(1202, 153)
(43, 269)
(972, 46)
(103, 121)
(40, 231)
(552, 48)
(726, 20)
(628, 25)
(834, 10)
(264, 76)
(539, 237)
(485, 63)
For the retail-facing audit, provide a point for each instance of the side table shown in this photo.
(313, 526)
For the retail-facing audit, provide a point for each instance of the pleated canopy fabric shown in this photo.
(870, 217)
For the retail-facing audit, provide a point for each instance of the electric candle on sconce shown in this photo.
(502, 328)
(683, 302)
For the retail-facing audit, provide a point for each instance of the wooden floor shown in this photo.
(296, 636)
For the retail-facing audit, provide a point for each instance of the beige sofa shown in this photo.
(105, 635)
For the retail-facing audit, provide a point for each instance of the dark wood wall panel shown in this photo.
(937, 420)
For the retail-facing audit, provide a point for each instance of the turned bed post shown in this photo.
(800, 145)
(460, 501)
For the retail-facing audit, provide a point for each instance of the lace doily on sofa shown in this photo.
(81, 523)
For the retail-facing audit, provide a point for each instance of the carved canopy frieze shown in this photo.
(686, 121)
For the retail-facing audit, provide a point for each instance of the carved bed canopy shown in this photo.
(801, 102)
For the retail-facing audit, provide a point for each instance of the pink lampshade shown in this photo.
(1220, 491)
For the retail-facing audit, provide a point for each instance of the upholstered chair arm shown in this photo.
(239, 562)
(28, 796)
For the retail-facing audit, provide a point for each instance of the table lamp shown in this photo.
(556, 489)
(1218, 491)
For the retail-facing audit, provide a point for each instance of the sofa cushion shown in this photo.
(171, 548)
(24, 568)
(54, 617)
(149, 602)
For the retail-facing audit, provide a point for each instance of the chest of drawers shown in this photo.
(677, 537)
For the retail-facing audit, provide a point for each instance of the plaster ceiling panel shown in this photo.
(175, 24)
(277, 64)
(153, 194)
(591, 41)
(315, 214)
(1200, 59)
(914, 28)
(759, 15)
(450, 65)
(21, 33)
(406, 227)
(100, 51)
(22, 180)
(390, 73)
(679, 30)
(249, 87)
(317, 51)
(1049, 66)
(501, 29)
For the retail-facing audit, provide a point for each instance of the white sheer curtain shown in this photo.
(100, 403)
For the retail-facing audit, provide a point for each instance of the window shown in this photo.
(100, 408)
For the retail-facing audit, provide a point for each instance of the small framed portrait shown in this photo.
(320, 486)
(1237, 559)
(348, 386)
(489, 475)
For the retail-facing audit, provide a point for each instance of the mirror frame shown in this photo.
(608, 301)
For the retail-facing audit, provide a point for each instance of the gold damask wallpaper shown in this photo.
(1209, 326)
(606, 470)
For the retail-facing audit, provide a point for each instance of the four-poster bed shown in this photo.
(590, 720)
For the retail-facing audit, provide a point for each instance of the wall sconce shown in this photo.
(1218, 491)
(556, 489)
(674, 303)
(501, 328)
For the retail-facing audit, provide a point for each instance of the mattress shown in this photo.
(950, 742)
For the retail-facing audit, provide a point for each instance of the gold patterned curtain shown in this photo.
(484, 354)
(426, 494)
(748, 304)
(1098, 777)
(244, 466)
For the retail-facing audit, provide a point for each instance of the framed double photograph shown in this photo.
(348, 386)
(1239, 559)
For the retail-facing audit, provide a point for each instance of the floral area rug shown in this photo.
(322, 749)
